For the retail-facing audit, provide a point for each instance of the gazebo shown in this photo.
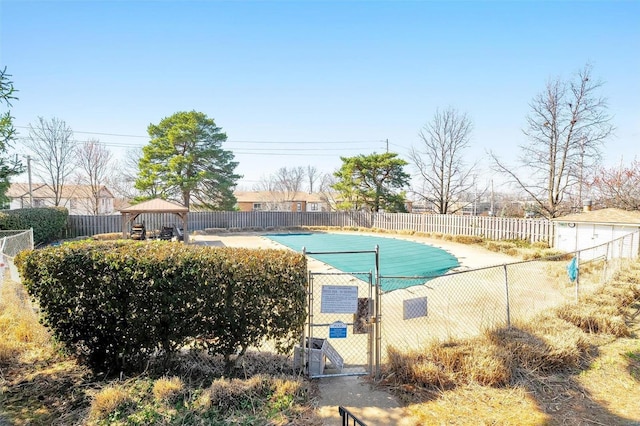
(156, 205)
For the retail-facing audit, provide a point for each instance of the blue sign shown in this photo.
(338, 330)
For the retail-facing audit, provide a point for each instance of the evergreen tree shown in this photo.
(185, 161)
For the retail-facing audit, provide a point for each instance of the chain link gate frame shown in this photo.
(326, 334)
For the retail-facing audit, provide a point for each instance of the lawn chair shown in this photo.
(138, 231)
(166, 233)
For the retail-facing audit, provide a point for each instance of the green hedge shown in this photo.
(117, 303)
(48, 223)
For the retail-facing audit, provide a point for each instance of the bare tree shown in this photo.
(289, 181)
(94, 164)
(327, 193)
(566, 128)
(283, 185)
(444, 176)
(51, 143)
(312, 177)
(125, 172)
(618, 187)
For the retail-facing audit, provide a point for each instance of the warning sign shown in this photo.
(339, 299)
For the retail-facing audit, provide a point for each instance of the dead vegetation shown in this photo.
(542, 362)
(41, 385)
(573, 365)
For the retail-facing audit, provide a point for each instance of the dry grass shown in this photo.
(233, 394)
(552, 370)
(443, 366)
(107, 400)
(574, 365)
(479, 405)
(167, 388)
(603, 311)
(553, 341)
(20, 331)
(39, 385)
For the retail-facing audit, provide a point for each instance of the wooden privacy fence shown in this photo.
(495, 228)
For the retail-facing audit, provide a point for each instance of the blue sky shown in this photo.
(296, 83)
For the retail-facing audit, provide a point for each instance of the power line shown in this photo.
(282, 153)
(96, 133)
(306, 142)
(227, 141)
(248, 150)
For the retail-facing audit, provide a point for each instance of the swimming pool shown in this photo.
(398, 258)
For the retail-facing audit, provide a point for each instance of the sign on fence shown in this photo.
(339, 299)
(414, 308)
(338, 330)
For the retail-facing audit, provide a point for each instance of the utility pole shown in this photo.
(493, 213)
(29, 175)
(387, 146)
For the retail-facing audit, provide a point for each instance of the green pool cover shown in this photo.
(398, 258)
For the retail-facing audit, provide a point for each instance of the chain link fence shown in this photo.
(463, 304)
(348, 340)
(12, 243)
(338, 326)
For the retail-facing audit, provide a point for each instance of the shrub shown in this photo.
(48, 223)
(532, 255)
(468, 239)
(501, 246)
(556, 255)
(519, 243)
(118, 303)
(540, 245)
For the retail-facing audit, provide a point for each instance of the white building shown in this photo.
(580, 231)
(78, 199)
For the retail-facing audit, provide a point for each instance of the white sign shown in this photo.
(339, 299)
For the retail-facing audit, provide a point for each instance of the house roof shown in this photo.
(156, 205)
(272, 196)
(40, 190)
(604, 216)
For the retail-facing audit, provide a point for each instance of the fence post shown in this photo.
(378, 313)
(578, 275)
(605, 271)
(303, 343)
(506, 286)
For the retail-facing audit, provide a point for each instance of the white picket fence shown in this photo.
(495, 228)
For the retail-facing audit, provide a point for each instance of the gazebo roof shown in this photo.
(156, 205)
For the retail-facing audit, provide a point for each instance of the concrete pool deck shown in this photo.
(469, 256)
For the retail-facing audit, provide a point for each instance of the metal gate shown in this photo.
(341, 333)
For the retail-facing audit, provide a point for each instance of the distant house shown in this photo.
(78, 199)
(590, 228)
(279, 201)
